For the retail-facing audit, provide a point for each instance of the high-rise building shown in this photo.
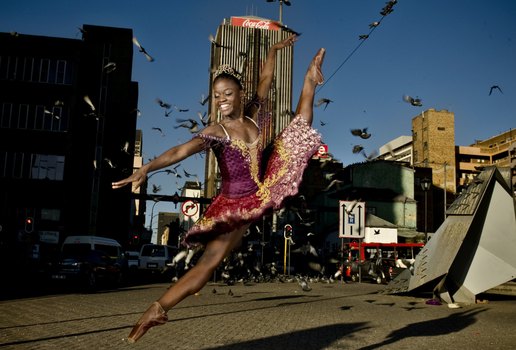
(243, 43)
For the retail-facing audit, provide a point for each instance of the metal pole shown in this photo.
(426, 231)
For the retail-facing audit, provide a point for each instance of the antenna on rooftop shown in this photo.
(281, 2)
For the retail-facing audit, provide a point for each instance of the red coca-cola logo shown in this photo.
(254, 23)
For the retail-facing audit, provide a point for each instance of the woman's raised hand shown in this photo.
(289, 41)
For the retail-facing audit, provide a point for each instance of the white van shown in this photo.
(89, 260)
(154, 257)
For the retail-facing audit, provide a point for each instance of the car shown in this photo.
(155, 257)
(86, 261)
(378, 270)
(132, 259)
(368, 269)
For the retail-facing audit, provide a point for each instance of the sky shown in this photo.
(447, 53)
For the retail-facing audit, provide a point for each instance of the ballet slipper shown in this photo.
(154, 316)
(314, 71)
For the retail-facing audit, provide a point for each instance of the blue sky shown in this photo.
(448, 53)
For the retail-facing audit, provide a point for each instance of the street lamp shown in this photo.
(152, 214)
(425, 186)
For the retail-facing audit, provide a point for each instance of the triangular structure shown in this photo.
(473, 250)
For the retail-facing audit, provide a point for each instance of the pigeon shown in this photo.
(357, 149)
(363, 36)
(142, 50)
(190, 124)
(204, 99)
(204, 118)
(494, 87)
(369, 156)
(159, 129)
(88, 101)
(163, 104)
(374, 24)
(324, 101)
(108, 161)
(46, 111)
(333, 183)
(188, 174)
(361, 133)
(288, 30)
(303, 284)
(110, 67)
(125, 147)
(215, 42)
(155, 189)
(413, 101)
(181, 109)
(323, 123)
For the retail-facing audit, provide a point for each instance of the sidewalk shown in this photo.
(264, 316)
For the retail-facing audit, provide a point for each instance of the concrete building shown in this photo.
(433, 142)
(59, 155)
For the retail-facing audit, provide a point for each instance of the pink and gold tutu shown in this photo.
(246, 193)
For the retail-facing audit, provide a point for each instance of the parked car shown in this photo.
(378, 270)
(154, 257)
(86, 261)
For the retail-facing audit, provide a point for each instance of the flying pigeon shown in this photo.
(324, 101)
(142, 50)
(493, 88)
(361, 133)
(413, 101)
(163, 104)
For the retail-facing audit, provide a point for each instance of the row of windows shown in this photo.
(20, 165)
(33, 117)
(36, 69)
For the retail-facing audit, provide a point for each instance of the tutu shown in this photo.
(245, 193)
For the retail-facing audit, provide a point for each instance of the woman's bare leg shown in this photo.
(313, 77)
(189, 284)
(195, 279)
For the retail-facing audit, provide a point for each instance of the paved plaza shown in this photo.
(258, 316)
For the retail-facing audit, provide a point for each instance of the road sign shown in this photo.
(189, 208)
(351, 219)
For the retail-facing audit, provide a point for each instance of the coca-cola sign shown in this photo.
(256, 23)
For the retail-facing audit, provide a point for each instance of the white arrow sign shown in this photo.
(351, 219)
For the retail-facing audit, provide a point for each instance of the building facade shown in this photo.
(67, 130)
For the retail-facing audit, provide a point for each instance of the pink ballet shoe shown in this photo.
(154, 316)
(314, 70)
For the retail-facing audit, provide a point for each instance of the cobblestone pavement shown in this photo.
(258, 316)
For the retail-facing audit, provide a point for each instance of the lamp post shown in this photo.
(425, 186)
(152, 214)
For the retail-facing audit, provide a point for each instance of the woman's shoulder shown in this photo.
(214, 132)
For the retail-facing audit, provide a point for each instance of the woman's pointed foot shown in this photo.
(314, 71)
(154, 316)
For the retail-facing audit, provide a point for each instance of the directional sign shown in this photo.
(351, 219)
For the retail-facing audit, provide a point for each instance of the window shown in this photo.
(44, 71)
(49, 167)
(5, 116)
(441, 128)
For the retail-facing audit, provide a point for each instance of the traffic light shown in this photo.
(287, 231)
(29, 224)
(135, 239)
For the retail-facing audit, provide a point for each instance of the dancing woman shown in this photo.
(246, 191)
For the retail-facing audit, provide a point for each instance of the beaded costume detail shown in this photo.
(245, 193)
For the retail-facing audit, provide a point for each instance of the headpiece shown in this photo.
(228, 70)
